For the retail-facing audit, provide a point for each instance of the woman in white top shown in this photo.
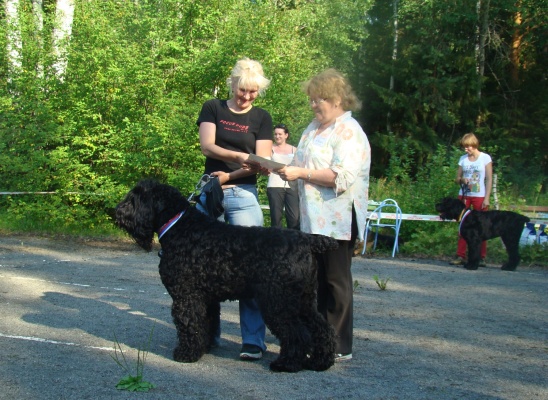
(332, 165)
(475, 175)
(282, 193)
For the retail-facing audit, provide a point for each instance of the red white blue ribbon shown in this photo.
(169, 224)
(462, 219)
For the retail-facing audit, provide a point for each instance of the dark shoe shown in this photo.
(250, 352)
(457, 261)
(343, 357)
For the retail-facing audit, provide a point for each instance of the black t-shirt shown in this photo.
(236, 132)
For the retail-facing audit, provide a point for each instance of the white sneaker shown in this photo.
(250, 352)
(343, 357)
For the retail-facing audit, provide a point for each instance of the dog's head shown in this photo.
(146, 208)
(449, 208)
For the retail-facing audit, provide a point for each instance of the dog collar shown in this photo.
(169, 224)
(461, 219)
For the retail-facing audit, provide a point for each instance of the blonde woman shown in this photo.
(229, 131)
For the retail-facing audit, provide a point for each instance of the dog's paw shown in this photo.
(181, 355)
(508, 267)
(285, 365)
(471, 267)
(319, 365)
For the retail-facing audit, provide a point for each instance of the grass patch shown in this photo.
(133, 381)
(381, 283)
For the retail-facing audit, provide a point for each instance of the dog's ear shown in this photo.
(134, 214)
(144, 214)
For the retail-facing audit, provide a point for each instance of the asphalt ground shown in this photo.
(436, 332)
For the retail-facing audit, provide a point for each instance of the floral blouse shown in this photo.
(344, 149)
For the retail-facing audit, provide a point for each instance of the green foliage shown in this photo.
(137, 75)
(134, 384)
(537, 254)
(438, 94)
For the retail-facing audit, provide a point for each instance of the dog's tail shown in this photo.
(321, 243)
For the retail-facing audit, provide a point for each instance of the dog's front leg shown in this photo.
(214, 324)
(473, 255)
(189, 316)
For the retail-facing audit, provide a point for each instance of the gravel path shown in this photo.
(437, 332)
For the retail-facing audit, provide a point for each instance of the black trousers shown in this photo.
(335, 290)
(278, 198)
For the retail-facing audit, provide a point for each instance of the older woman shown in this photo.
(332, 165)
(229, 131)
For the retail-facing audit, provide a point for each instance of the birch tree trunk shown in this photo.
(38, 21)
(61, 35)
(14, 46)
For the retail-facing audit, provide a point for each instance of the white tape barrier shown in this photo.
(536, 218)
(408, 217)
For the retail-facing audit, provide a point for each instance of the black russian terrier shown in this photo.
(477, 226)
(205, 261)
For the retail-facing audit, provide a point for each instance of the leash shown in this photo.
(204, 179)
(465, 190)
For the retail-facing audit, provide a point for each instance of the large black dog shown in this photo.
(477, 226)
(205, 261)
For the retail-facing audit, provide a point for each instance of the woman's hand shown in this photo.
(264, 171)
(256, 168)
(289, 173)
(224, 177)
(251, 166)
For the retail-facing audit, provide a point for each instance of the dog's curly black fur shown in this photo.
(479, 226)
(205, 261)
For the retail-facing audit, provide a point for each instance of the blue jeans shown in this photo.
(241, 205)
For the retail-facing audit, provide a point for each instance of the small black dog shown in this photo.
(205, 261)
(477, 226)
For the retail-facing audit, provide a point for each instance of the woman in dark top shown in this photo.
(230, 130)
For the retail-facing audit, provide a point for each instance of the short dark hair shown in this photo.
(284, 127)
